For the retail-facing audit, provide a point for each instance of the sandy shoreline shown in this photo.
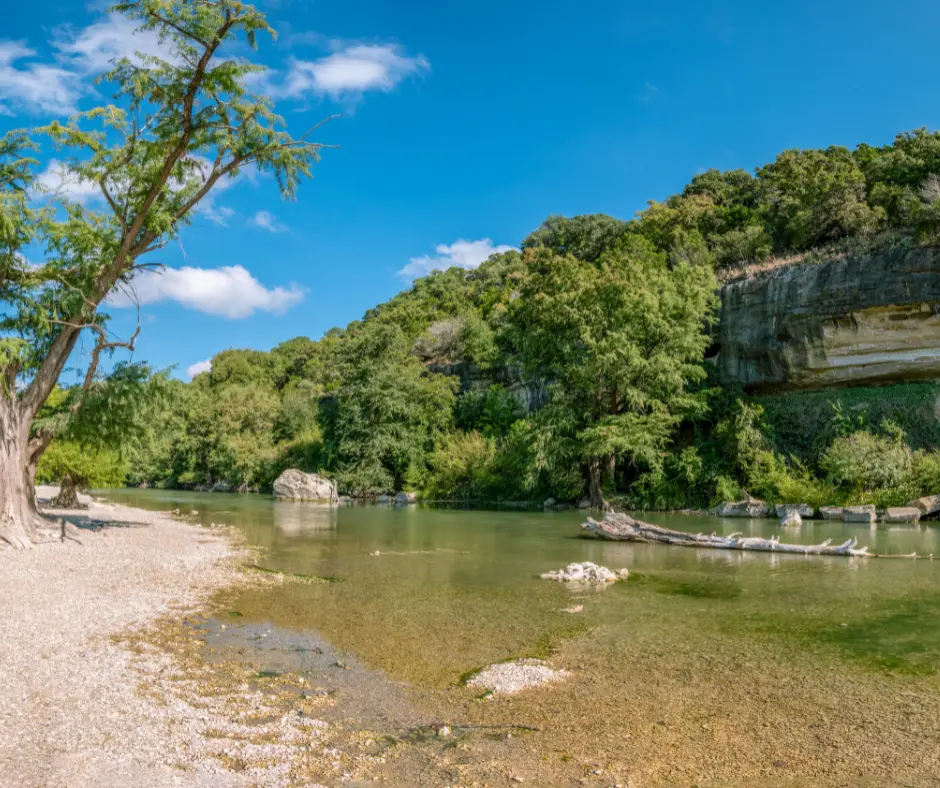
(71, 713)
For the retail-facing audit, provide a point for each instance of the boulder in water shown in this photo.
(804, 510)
(749, 507)
(791, 518)
(295, 485)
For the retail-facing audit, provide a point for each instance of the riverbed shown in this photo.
(704, 668)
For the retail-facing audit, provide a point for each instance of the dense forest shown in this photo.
(572, 368)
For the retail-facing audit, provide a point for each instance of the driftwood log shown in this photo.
(623, 528)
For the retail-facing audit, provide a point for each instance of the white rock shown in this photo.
(586, 572)
(520, 674)
(295, 485)
(791, 518)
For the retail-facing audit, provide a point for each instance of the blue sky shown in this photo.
(465, 122)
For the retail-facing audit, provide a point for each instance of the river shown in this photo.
(705, 667)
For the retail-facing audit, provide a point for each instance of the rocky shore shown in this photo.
(71, 709)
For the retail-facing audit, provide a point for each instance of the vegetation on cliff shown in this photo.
(575, 366)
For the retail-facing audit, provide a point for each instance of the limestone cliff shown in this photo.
(845, 322)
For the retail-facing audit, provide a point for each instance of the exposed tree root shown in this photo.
(622, 527)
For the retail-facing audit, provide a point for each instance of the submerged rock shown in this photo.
(749, 507)
(902, 514)
(860, 514)
(295, 485)
(791, 518)
(520, 674)
(585, 573)
(804, 510)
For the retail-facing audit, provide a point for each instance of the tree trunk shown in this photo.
(595, 485)
(21, 525)
(68, 494)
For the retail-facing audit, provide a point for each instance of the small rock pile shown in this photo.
(508, 677)
(586, 573)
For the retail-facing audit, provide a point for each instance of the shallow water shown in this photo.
(723, 648)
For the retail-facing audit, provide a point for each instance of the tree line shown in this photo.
(573, 368)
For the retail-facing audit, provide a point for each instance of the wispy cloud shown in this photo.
(265, 220)
(352, 70)
(229, 291)
(56, 85)
(198, 368)
(461, 253)
(34, 86)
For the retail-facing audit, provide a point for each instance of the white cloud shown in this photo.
(93, 49)
(350, 71)
(230, 291)
(54, 181)
(198, 368)
(461, 253)
(41, 86)
(265, 220)
(80, 53)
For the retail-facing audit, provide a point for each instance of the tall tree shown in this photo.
(621, 338)
(179, 124)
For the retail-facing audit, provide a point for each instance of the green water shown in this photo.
(452, 590)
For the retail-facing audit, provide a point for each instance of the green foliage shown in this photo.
(387, 414)
(622, 337)
(803, 424)
(462, 468)
(865, 461)
(89, 467)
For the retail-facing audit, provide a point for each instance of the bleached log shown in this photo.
(622, 527)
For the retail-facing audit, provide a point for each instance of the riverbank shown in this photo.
(70, 707)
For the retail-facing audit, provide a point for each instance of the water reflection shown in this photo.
(305, 519)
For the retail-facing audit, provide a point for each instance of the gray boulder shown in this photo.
(902, 514)
(928, 505)
(860, 514)
(295, 485)
(403, 498)
(749, 507)
(791, 518)
(831, 512)
(804, 510)
(549, 503)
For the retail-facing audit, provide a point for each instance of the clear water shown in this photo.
(738, 653)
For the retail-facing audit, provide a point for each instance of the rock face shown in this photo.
(831, 512)
(749, 507)
(859, 514)
(849, 321)
(902, 514)
(804, 510)
(295, 485)
(586, 573)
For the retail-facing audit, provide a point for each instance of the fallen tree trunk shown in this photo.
(622, 527)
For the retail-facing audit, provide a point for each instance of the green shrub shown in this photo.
(462, 468)
(866, 461)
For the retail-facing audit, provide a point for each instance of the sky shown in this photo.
(463, 125)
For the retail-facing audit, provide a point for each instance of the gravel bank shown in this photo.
(70, 710)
